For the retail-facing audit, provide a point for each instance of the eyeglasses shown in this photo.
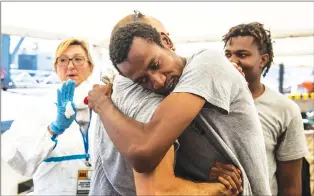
(77, 60)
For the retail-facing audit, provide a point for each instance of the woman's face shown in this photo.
(73, 64)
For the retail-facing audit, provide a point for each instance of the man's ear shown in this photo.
(166, 41)
(264, 60)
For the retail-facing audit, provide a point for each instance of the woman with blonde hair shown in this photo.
(50, 141)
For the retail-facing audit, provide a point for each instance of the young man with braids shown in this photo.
(250, 46)
(227, 124)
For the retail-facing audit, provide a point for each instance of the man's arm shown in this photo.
(145, 144)
(162, 181)
(289, 178)
(291, 149)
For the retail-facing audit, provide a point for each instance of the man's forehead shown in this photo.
(129, 70)
(138, 49)
(138, 57)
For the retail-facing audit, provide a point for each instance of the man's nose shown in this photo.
(158, 80)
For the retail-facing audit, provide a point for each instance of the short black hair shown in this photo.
(121, 40)
(262, 38)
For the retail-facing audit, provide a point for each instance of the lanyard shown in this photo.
(85, 139)
(79, 156)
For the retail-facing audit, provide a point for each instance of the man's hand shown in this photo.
(100, 97)
(228, 175)
(221, 189)
(238, 68)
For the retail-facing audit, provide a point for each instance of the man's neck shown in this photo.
(256, 88)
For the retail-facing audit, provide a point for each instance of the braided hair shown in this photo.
(262, 38)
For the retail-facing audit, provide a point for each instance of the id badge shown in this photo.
(83, 181)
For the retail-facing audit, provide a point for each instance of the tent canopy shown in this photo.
(186, 21)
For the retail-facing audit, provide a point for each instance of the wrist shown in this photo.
(106, 108)
(54, 130)
(51, 132)
(218, 188)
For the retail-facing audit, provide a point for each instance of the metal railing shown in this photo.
(33, 78)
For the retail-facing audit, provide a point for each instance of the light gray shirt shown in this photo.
(283, 131)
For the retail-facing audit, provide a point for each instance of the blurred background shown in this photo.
(31, 32)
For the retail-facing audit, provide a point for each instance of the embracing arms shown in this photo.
(145, 144)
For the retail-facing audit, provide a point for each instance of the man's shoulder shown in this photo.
(281, 103)
(212, 62)
(125, 88)
(207, 54)
(210, 75)
(132, 99)
(121, 83)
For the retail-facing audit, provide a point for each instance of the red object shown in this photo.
(86, 100)
(309, 85)
(2, 73)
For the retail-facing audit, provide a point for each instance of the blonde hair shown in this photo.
(70, 42)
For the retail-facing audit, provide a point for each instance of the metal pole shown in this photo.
(16, 49)
(281, 77)
(5, 58)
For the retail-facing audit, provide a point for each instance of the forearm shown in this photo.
(171, 185)
(184, 187)
(290, 192)
(51, 132)
(129, 137)
(289, 177)
(290, 189)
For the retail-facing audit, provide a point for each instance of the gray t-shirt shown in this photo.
(228, 118)
(283, 131)
(199, 152)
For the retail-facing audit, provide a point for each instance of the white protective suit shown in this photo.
(28, 144)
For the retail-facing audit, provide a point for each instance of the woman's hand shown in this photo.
(64, 103)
